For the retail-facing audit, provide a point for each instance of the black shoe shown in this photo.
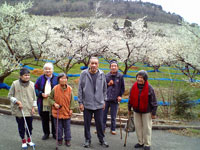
(138, 145)
(104, 144)
(45, 137)
(147, 148)
(87, 144)
(54, 136)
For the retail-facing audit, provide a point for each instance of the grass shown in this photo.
(163, 89)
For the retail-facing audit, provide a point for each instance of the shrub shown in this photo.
(181, 103)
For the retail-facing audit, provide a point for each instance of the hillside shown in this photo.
(118, 9)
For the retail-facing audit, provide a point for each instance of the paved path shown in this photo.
(161, 140)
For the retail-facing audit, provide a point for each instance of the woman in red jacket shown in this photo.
(143, 101)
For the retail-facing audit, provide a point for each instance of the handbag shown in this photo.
(130, 126)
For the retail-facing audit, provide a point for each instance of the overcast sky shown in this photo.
(188, 9)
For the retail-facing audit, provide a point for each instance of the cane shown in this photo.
(57, 127)
(26, 126)
(120, 121)
(127, 127)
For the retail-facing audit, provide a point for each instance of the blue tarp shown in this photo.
(165, 79)
(69, 75)
(4, 86)
(160, 103)
(45, 60)
(28, 67)
(128, 76)
(83, 67)
(104, 62)
(154, 71)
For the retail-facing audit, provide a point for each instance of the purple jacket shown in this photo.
(39, 89)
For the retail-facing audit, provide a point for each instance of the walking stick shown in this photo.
(127, 127)
(57, 127)
(26, 127)
(120, 121)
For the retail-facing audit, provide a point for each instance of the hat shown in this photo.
(24, 71)
(143, 73)
(113, 61)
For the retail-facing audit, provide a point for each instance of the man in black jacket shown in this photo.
(115, 90)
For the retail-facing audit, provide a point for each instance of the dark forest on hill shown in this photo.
(118, 9)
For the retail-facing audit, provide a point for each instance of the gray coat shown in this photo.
(86, 94)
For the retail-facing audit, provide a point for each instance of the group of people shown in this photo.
(97, 93)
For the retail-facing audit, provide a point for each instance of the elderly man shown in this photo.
(143, 101)
(115, 90)
(91, 98)
(43, 87)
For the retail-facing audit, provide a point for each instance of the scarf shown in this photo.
(47, 90)
(24, 83)
(139, 103)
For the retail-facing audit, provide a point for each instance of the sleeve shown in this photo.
(34, 99)
(107, 79)
(51, 97)
(11, 94)
(72, 104)
(122, 86)
(153, 102)
(37, 89)
(80, 88)
(105, 88)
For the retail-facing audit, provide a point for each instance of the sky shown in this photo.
(188, 9)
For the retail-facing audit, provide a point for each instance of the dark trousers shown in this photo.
(45, 117)
(63, 125)
(98, 117)
(21, 126)
(113, 112)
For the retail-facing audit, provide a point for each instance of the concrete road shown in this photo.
(161, 140)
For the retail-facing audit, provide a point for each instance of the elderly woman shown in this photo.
(143, 101)
(43, 87)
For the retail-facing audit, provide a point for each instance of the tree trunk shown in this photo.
(3, 76)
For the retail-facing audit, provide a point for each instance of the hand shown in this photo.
(70, 112)
(57, 106)
(81, 107)
(153, 116)
(33, 111)
(19, 104)
(104, 106)
(119, 98)
(129, 113)
(110, 83)
(44, 95)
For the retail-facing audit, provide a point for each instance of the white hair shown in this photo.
(49, 65)
(96, 58)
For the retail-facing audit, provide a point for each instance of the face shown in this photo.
(63, 80)
(94, 64)
(140, 79)
(25, 77)
(114, 68)
(48, 71)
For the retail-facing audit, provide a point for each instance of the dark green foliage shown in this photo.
(181, 104)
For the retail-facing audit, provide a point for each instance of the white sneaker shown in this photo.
(31, 144)
(24, 146)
